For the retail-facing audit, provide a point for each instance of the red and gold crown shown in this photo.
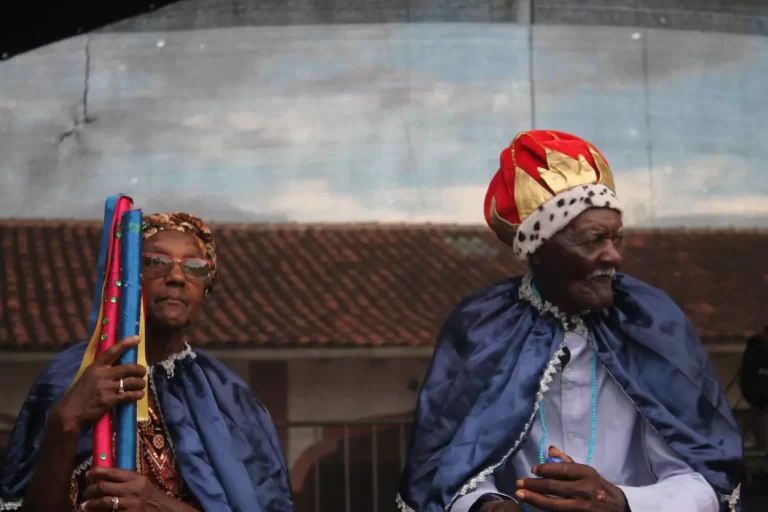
(537, 167)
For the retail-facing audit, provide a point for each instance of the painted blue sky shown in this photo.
(399, 122)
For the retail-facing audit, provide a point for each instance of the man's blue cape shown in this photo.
(477, 402)
(225, 443)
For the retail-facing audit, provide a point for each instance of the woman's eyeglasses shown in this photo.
(160, 265)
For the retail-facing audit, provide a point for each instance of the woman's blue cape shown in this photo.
(479, 393)
(224, 441)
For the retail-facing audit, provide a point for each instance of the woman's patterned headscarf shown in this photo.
(186, 223)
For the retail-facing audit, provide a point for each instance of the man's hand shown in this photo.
(134, 493)
(575, 487)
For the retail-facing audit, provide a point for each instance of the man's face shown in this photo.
(172, 293)
(576, 266)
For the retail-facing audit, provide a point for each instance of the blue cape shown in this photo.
(479, 395)
(224, 441)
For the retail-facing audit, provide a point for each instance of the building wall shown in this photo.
(15, 381)
(346, 389)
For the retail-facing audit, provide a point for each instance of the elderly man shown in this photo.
(207, 445)
(574, 388)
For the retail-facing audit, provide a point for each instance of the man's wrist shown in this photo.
(486, 501)
(501, 506)
(482, 501)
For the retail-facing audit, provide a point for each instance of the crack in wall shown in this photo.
(86, 82)
(84, 118)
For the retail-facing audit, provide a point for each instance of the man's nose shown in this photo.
(612, 255)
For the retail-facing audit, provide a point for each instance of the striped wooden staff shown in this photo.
(108, 327)
(117, 313)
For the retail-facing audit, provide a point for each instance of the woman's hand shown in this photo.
(118, 489)
(98, 389)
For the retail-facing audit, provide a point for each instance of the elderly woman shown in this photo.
(208, 444)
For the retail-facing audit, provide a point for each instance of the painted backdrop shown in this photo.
(380, 122)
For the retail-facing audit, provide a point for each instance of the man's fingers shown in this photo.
(549, 487)
(559, 471)
(552, 504)
(554, 451)
(109, 356)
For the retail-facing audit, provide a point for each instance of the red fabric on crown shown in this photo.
(527, 152)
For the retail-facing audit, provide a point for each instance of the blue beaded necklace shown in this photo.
(593, 426)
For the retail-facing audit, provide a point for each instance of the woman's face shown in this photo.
(171, 268)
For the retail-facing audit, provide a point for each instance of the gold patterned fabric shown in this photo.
(536, 167)
(154, 459)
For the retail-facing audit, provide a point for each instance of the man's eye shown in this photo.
(595, 241)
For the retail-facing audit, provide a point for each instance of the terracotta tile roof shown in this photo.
(357, 285)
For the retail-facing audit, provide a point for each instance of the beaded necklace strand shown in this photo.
(593, 426)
